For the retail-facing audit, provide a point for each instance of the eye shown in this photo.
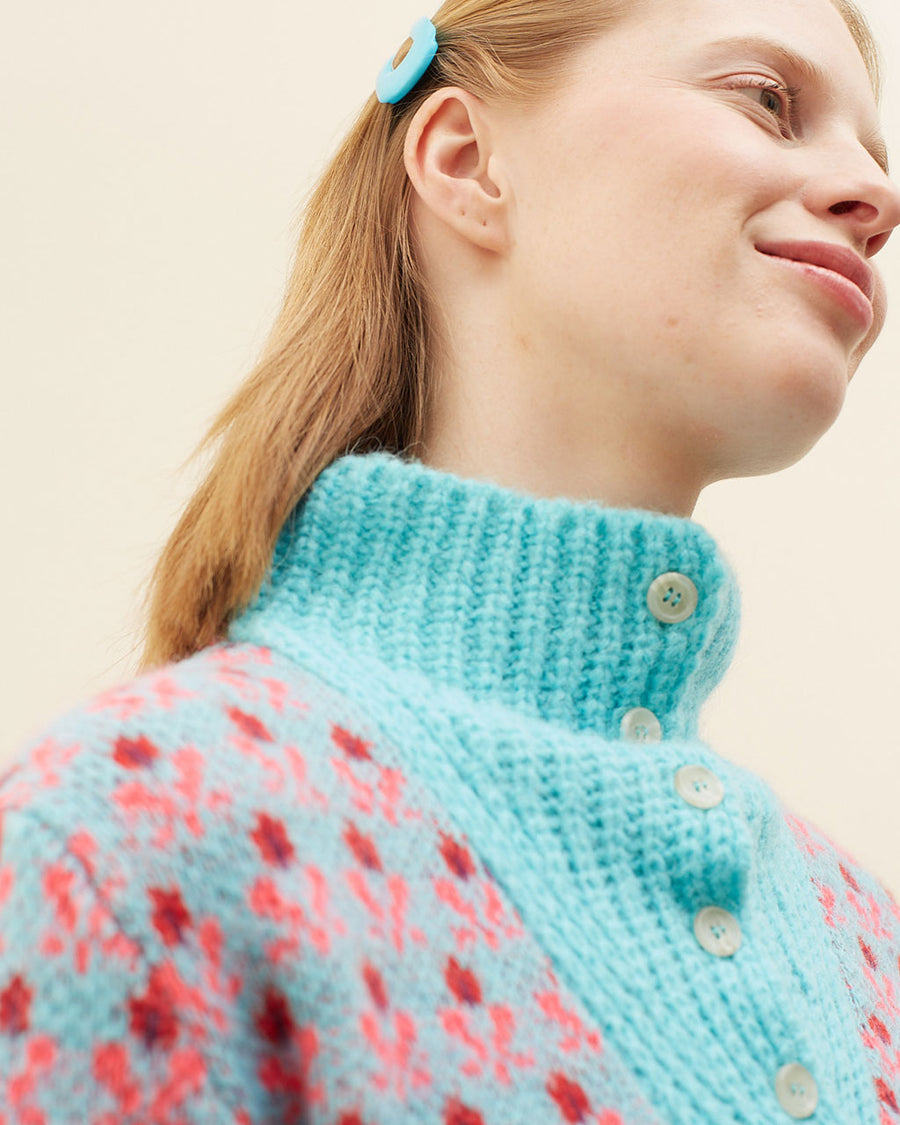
(777, 99)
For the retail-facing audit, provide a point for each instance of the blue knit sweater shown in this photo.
(432, 838)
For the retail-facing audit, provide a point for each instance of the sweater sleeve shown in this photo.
(88, 1029)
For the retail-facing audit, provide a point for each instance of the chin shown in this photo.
(762, 450)
(808, 377)
(779, 411)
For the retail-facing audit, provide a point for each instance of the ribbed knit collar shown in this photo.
(537, 604)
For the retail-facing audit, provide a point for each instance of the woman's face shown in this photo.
(641, 193)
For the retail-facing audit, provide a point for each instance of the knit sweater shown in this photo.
(431, 837)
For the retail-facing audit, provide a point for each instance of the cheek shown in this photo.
(669, 186)
(645, 208)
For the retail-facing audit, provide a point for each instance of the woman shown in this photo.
(407, 818)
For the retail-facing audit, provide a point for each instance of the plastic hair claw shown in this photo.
(394, 84)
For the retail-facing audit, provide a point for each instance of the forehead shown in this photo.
(814, 28)
(693, 38)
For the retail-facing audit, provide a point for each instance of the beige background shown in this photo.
(154, 160)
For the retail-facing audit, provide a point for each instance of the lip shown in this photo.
(840, 259)
(837, 269)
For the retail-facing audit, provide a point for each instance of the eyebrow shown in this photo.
(808, 70)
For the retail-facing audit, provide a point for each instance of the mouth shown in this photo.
(826, 255)
(836, 270)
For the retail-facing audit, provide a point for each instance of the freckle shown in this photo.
(672, 322)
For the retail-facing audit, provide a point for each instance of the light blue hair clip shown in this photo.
(394, 84)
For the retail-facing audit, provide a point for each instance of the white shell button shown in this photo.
(641, 725)
(699, 787)
(672, 598)
(796, 1091)
(717, 931)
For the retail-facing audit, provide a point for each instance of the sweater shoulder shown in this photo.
(166, 849)
(862, 918)
(235, 742)
(836, 872)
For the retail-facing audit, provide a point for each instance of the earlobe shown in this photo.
(448, 158)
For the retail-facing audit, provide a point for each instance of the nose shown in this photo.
(858, 198)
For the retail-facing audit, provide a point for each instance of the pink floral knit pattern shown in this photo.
(864, 919)
(204, 918)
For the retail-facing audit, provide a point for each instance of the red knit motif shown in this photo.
(246, 911)
(853, 910)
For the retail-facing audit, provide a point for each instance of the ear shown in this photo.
(449, 159)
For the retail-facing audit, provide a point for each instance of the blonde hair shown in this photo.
(344, 368)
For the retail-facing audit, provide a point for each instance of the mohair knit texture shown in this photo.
(402, 849)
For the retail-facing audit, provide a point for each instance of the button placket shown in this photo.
(796, 1091)
(673, 598)
(699, 787)
(640, 725)
(717, 931)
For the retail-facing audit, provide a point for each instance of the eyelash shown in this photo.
(789, 94)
